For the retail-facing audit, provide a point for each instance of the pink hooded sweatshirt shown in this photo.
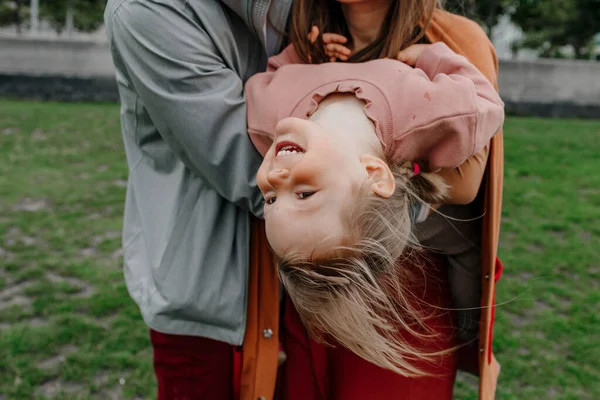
(439, 113)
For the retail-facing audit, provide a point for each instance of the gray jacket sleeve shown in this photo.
(195, 101)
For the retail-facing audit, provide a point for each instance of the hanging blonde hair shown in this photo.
(356, 294)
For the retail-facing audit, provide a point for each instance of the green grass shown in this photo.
(67, 325)
(548, 326)
(68, 328)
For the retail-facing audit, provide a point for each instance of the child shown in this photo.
(339, 183)
(454, 230)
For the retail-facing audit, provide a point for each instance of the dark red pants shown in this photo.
(317, 372)
(189, 367)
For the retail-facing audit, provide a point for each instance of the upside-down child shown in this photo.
(345, 147)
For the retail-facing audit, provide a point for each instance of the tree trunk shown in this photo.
(491, 21)
(514, 49)
(69, 18)
(34, 17)
(18, 20)
(490, 31)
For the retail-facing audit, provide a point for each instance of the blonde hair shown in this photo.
(355, 294)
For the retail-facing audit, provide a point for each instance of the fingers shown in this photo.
(407, 57)
(333, 44)
(411, 54)
(327, 37)
(337, 51)
(314, 34)
(404, 54)
(334, 38)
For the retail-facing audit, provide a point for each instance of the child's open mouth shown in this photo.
(288, 149)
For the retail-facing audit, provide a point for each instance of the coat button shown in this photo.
(267, 334)
(487, 276)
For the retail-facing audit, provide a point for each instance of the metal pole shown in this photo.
(34, 17)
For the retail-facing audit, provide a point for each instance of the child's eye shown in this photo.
(305, 195)
(271, 200)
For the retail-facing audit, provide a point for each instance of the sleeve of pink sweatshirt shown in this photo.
(440, 113)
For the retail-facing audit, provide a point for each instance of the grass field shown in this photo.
(69, 330)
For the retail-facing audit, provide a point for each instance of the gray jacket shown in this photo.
(181, 66)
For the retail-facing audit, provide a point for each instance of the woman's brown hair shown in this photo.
(404, 25)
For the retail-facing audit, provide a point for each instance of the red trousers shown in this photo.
(190, 368)
(317, 372)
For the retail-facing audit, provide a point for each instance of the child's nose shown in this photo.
(277, 176)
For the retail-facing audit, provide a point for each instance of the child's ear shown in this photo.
(383, 182)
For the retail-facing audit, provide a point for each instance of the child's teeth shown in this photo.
(287, 152)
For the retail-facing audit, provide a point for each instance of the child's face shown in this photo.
(308, 178)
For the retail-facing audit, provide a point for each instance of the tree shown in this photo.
(486, 12)
(13, 12)
(551, 25)
(85, 15)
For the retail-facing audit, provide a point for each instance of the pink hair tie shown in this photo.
(416, 169)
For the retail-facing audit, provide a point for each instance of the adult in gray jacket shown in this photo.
(181, 66)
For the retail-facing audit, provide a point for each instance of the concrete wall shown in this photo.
(82, 70)
(551, 88)
(71, 58)
(57, 69)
